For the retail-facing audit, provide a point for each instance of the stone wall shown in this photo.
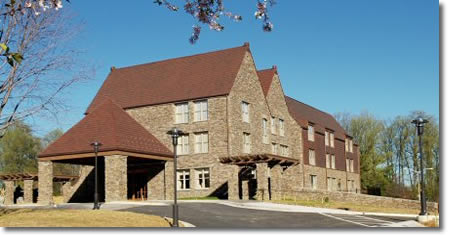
(9, 192)
(45, 196)
(115, 178)
(28, 191)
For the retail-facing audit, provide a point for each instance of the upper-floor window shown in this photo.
(331, 139)
(246, 143)
(312, 157)
(273, 126)
(181, 113)
(327, 138)
(183, 179)
(245, 107)
(201, 142)
(201, 110)
(352, 166)
(346, 145)
(333, 162)
(203, 178)
(284, 150)
(281, 127)
(350, 144)
(328, 160)
(183, 145)
(310, 133)
(347, 164)
(313, 179)
(265, 131)
(274, 148)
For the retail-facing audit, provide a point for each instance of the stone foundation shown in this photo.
(45, 196)
(115, 178)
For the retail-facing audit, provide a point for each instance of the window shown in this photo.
(310, 133)
(265, 135)
(333, 162)
(351, 185)
(327, 141)
(284, 150)
(331, 139)
(245, 112)
(328, 160)
(346, 145)
(183, 145)
(181, 113)
(203, 180)
(330, 185)
(273, 125)
(247, 144)
(313, 181)
(201, 142)
(281, 127)
(350, 144)
(312, 157)
(201, 110)
(274, 148)
(347, 164)
(351, 166)
(183, 179)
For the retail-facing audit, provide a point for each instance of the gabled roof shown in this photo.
(266, 78)
(304, 114)
(185, 78)
(115, 129)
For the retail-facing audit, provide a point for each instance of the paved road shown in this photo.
(211, 215)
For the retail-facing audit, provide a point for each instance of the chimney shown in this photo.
(113, 68)
(274, 67)
(247, 44)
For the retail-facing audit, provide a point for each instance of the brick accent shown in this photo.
(9, 192)
(245, 193)
(262, 192)
(233, 183)
(28, 191)
(45, 181)
(115, 178)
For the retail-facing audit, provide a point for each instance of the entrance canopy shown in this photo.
(258, 158)
(116, 130)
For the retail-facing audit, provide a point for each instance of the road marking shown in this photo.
(359, 220)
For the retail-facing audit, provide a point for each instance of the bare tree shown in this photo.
(41, 38)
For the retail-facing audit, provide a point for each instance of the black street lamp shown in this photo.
(96, 145)
(175, 133)
(420, 123)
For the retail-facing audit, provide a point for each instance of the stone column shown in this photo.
(275, 182)
(155, 186)
(9, 192)
(45, 181)
(233, 183)
(245, 193)
(66, 191)
(262, 182)
(115, 178)
(28, 191)
(168, 180)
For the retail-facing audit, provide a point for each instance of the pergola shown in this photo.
(34, 177)
(245, 160)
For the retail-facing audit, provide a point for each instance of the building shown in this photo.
(245, 139)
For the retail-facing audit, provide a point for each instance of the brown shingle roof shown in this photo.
(304, 113)
(111, 126)
(266, 77)
(197, 76)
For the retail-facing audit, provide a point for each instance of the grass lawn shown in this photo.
(77, 218)
(350, 206)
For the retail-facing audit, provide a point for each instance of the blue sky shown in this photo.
(380, 56)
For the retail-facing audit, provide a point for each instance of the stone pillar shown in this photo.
(155, 186)
(66, 191)
(275, 182)
(233, 183)
(45, 181)
(28, 191)
(9, 192)
(262, 182)
(115, 178)
(245, 193)
(168, 180)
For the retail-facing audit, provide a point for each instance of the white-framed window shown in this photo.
(327, 138)
(346, 145)
(350, 144)
(312, 157)
(328, 164)
(329, 184)
(351, 166)
(347, 164)
(203, 178)
(310, 133)
(181, 113)
(201, 110)
(284, 150)
(313, 179)
(331, 139)
(183, 145)
(333, 162)
(273, 126)
(247, 145)
(201, 142)
(281, 127)
(245, 112)
(265, 131)
(183, 179)
(274, 149)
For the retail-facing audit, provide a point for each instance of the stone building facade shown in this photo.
(242, 138)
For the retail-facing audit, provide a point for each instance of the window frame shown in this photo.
(333, 161)
(182, 185)
(313, 181)
(183, 148)
(274, 148)
(205, 180)
(331, 139)
(265, 131)
(247, 143)
(327, 161)
(181, 117)
(273, 125)
(199, 142)
(327, 140)
(281, 124)
(245, 112)
(201, 110)
(311, 133)
(313, 152)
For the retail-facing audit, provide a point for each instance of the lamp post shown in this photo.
(96, 145)
(420, 123)
(175, 133)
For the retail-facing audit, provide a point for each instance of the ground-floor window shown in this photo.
(331, 182)
(183, 179)
(313, 181)
(351, 185)
(203, 178)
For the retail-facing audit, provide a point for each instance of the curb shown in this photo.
(185, 224)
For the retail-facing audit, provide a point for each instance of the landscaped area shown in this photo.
(77, 218)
